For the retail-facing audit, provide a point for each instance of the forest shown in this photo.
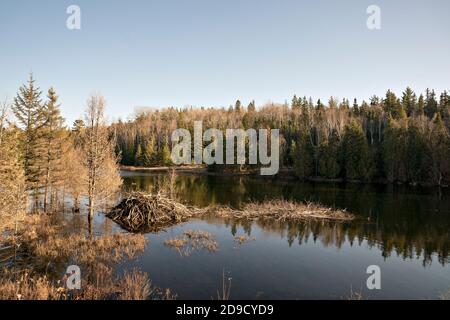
(43, 160)
(390, 139)
(49, 167)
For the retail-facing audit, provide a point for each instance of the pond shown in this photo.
(405, 231)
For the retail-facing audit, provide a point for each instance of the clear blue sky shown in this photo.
(211, 52)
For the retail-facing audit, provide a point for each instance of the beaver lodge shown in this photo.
(153, 212)
(150, 212)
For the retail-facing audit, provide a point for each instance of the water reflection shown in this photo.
(410, 223)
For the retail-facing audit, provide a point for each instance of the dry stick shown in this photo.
(157, 211)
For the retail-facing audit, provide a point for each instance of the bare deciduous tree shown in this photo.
(12, 178)
(98, 156)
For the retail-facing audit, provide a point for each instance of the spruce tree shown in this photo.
(392, 105)
(421, 106)
(431, 105)
(138, 159)
(28, 110)
(304, 157)
(409, 101)
(328, 157)
(355, 153)
(166, 157)
(53, 136)
(148, 155)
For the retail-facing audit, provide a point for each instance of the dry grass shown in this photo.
(45, 246)
(283, 210)
(137, 286)
(24, 285)
(224, 293)
(355, 295)
(191, 241)
(44, 241)
(445, 295)
(241, 240)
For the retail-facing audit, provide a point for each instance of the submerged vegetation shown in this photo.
(191, 241)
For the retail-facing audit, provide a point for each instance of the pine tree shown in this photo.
(431, 105)
(296, 104)
(409, 101)
(77, 130)
(328, 157)
(444, 105)
(439, 151)
(238, 106)
(304, 157)
(395, 150)
(138, 158)
(251, 106)
(53, 135)
(166, 157)
(28, 110)
(149, 157)
(392, 105)
(421, 106)
(355, 154)
(355, 107)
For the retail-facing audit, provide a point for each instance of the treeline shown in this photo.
(42, 160)
(391, 139)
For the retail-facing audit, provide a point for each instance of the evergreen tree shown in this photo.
(77, 130)
(296, 104)
(28, 110)
(166, 156)
(444, 105)
(304, 157)
(392, 105)
(431, 105)
(251, 106)
(149, 158)
(328, 159)
(409, 101)
(53, 138)
(238, 106)
(355, 153)
(139, 159)
(439, 151)
(421, 105)
(395, 150)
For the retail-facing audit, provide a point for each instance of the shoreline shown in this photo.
(283, 174)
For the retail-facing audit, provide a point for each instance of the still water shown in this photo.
(405, 231)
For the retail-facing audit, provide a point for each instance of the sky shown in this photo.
(210, 52)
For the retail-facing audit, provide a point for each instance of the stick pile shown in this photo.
(141, 211)
(284, 210)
